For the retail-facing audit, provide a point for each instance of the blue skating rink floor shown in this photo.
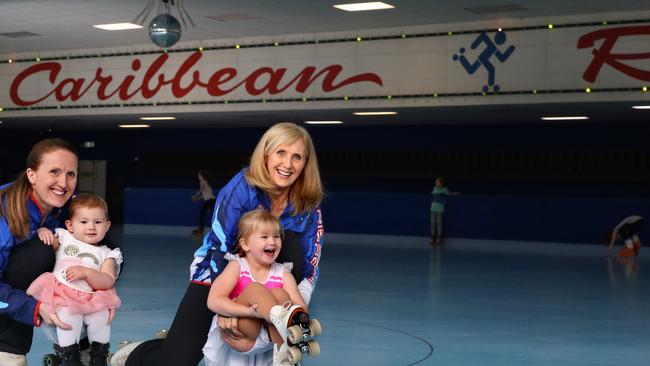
(398, 301)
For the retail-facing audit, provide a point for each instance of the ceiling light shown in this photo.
(375, 113)
(374, 5)
(134, 126)
(117, 26)
(566, 118)
(323, 122)
(161, 118)
(641, 106)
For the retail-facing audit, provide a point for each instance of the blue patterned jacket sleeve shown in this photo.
(312, 240)
(14, 303)
(232, 201)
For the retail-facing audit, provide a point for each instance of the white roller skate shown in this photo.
(297, 331)
(282, 317)
(281, 355)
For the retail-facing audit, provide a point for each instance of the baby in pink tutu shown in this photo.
(81, 287)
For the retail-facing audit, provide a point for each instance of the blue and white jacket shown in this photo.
(16, 303)
(236, 198)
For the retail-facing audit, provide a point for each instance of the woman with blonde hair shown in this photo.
(284, 179)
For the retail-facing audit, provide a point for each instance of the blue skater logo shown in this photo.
(491, 49)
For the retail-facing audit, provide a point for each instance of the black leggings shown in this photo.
(26, 262)
(206, 207)
(189, 330)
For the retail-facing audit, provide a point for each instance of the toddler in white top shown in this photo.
(81, 288)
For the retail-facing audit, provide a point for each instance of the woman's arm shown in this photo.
(222, 286)
(312, 240)
(232, 201)
(291, 287)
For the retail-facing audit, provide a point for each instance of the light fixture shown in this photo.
(323, 122)
(164, 29)
(641, 106)
(134, 126)
(373, 5)
(161, 118)
(375, 113)
(117, 26)
(565, 118)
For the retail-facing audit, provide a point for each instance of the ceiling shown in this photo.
(33, 26)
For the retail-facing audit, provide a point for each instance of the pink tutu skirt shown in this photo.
(47, 289)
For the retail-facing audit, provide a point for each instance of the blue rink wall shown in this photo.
(523, 218)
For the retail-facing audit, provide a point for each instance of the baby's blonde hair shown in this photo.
(253, 220)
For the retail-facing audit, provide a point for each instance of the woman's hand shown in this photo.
(229, 327)
(51, 317)
(46, 235)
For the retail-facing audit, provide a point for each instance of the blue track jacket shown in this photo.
(16, 303)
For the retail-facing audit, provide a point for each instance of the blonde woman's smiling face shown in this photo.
(286, 163)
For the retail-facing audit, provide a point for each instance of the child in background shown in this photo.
(264, 307)
(440, 194)
(81, 287)
(627, 231)
(206, 194)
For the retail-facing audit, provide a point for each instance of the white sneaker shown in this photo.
(280, 316)
(119, 358)
(281, 355)
(12, 359)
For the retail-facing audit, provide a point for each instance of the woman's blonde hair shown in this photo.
(16, 195)
(307, 191)
(251, 221)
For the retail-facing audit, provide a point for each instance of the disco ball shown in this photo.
(164, 30)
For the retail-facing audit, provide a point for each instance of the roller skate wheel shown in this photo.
(294, 334)
(295, 356)
(51, 359)
(316, 328)
(314, 348)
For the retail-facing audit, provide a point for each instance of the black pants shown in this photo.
(189, 330)
(206, 207)
(26, 262)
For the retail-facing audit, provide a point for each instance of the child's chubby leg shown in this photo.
(70, 336)
(97, 326)
(254, 293)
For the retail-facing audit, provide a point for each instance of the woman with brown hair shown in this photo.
(34, 200)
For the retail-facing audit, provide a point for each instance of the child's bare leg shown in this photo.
(281, 297)
(249, 326)
(256, 293)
